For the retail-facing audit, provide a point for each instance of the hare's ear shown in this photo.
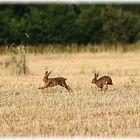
(46, 73)
(97, 75)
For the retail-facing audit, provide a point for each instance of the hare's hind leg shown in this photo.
(67, 87)
(106, 86)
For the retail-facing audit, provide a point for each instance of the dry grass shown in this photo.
(27, 111)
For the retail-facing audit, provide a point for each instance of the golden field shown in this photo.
(27, 111)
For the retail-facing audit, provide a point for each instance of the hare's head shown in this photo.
(46, 76)
(95, 78)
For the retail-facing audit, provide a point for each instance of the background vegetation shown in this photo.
(69, 24)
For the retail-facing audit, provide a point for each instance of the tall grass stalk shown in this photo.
(18, 62)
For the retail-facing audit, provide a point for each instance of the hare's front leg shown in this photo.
(101, 86)
(46, 86)
(101, 89)
(42, 87)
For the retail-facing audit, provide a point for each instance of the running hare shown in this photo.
(51, 82)
(104, 80)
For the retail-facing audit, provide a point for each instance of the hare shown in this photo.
(51, 82)
(104, 80)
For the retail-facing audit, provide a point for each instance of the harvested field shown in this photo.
(27, 111)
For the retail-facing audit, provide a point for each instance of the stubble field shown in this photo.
(27, 111)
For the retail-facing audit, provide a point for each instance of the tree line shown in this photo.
(69, 23)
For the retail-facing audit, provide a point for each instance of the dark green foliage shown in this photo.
(69, 24)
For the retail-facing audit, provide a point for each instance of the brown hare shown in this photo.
(51, 82)
(104, 80)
